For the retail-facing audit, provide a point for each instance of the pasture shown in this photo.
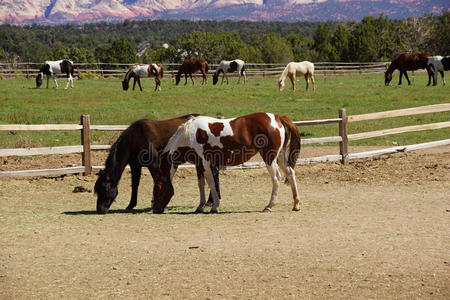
(375, 228)
(106, 103)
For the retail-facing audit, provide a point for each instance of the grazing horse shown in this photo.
(188, 67)
(138, 70)
(139, 146)
(230, 142)
(294, 69)
(51, 68)
(436, 62)
(407, 62)
(226, 66)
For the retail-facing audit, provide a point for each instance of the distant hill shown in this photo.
(23, 12)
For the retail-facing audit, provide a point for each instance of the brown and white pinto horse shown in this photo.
(188, 67)
(408, 62)
(138, 70)
(227, 66)
(207, 141)
(138, 146)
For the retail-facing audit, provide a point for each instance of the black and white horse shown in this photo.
(138, 70)
(439, 64)
(52, 68)
(230, 67)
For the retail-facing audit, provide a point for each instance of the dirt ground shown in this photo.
(376, 228)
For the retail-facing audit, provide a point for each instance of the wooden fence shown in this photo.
(30, 70)
(343, 138)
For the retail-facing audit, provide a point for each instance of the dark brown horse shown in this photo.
(188, 67)
(208, 142)
(138, 146)
(408, 62)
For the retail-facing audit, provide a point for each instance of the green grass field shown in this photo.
(106, 103)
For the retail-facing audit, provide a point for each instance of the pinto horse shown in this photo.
(139, 146)
(439, 64)
(51, 68)
(138, 70)
(407, 62)
(293, 69)
(230, 142)
(188, 67)
(226, 66)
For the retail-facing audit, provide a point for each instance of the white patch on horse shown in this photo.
(273, 122)
(141, 70)
(156, 68)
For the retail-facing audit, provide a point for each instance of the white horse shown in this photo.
(51, 68)
(294, 69)
(439, 64)
(231, 66)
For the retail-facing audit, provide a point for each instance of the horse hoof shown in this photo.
(199, 210)
(213, 211)
(267, 209)
(129, 208)
(296, 208)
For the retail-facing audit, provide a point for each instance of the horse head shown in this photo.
(280, 85)
(177, 78)
(39, 78)
(215, 78)
(125, 85)
(162, 193)
(106, 192)
(387, 78)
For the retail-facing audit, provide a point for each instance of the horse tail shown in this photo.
(161, 71)
(206, 67)
(293, 139)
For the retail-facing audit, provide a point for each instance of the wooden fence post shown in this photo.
(86, 143)
(343, 146)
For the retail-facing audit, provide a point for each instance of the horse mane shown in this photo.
(180, 135)
(284, 74)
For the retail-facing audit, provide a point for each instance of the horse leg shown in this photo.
(290, 176)
(212, 186)
(134, 83)
(185, 78)
(157, 84)
(226, 76)
(48, 78)
(201, 187)
(135, 179)
(54, 79)
(407, 78)
(139, 83)
(274, 172)
(400, 80)
(313, 82)
(68, 80)
(215, 172)
(292, 78)
(307, 81)
(443, 78)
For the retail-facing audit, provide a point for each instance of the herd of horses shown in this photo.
(212, 144)
(404, 62)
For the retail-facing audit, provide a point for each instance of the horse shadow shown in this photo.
(171, 210)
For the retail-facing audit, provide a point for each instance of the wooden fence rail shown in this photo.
(253, 69)
(343, 138)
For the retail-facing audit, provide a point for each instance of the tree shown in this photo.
(340, 44)
(322, 42)
(300, 45)
(274, 48)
